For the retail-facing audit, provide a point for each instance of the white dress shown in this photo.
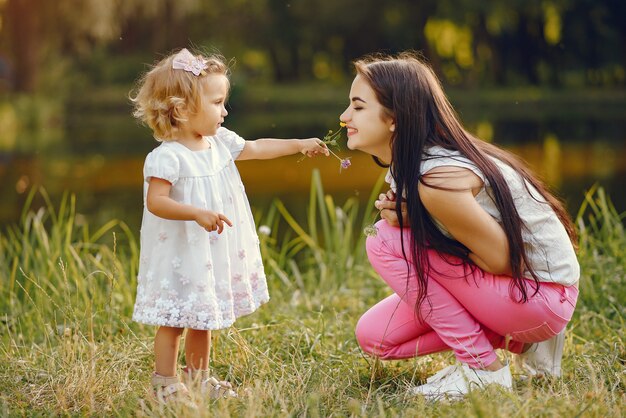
(188, 277)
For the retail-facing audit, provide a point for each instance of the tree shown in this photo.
(39, 31)
(23, 29)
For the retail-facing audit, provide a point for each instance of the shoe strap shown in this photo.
(158, 380)
(193, 374)
(216, 389)
(167, 387)
(174, 388)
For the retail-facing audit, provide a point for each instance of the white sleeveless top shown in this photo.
(549, 249)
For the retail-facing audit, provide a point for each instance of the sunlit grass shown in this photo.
(68, 347)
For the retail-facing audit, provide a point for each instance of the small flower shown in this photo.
(162, 236)
(344, 163)
(174, 312)
(370, 230)
(184, 280)
(192, 238)
(265, 230)
(331, 140)
(331, 137)
(242, 254)
(176, 262)
(208, 265)
(188, 317)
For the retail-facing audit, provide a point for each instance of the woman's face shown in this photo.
(369, 129)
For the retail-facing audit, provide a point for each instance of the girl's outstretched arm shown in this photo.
(452, 203)
(159, 203)
(268, 148)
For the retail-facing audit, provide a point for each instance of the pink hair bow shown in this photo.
(184, 60)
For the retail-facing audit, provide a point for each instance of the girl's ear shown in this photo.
(180, 112)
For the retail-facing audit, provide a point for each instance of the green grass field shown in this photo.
(68, 347)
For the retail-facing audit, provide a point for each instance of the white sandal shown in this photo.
(168, 388)
(209, 385)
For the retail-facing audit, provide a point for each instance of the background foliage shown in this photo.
(469, 42)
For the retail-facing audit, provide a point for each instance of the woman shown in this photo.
(479, 254)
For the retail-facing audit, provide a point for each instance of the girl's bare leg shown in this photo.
(166, 343)
(197, 347)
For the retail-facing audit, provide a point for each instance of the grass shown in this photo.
(68, 347)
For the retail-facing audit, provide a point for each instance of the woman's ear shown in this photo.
(389, 120)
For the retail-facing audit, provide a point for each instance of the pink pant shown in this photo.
(467, 311)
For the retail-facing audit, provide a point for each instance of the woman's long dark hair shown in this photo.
(411, 94)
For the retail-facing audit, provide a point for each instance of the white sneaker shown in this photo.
(544, 358)
(457, 381)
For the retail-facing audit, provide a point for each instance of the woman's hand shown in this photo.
(312, 147)
(212, 221)
(386, 203)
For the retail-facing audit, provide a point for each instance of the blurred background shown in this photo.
(544, 79)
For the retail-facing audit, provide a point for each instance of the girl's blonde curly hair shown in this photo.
(165, 95)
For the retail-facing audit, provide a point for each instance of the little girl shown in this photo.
(200, 265)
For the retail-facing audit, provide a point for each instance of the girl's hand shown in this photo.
(312, 147)
(212, 221)
(386, 203)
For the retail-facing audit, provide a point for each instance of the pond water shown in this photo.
(100, 151)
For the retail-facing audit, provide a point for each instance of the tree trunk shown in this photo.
(482, 36)
(23, 23)
(422, 11)
(528, 47)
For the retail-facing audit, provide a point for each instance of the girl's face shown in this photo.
(211, 109)
(369, 129)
